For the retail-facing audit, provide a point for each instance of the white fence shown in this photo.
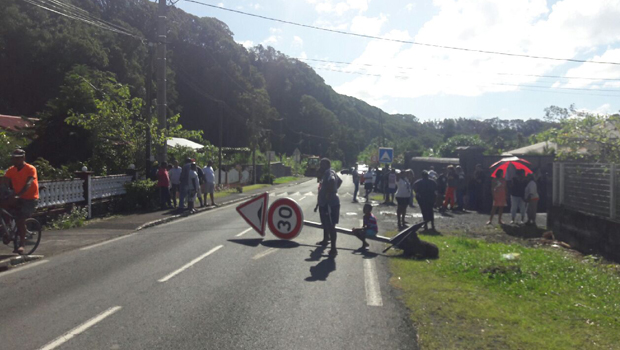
(588, 187)
(233, 176)
(60, 192)
(108, 186)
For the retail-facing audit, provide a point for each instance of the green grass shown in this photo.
(472, 298)
(377, 197)
(230, 191)
(285, 179)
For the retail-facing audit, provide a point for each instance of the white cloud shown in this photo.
(368, 25)
(589, 70)
(604, 109)
(568, 29)
(410, 7)
(221, 4)
(298, 43)
(247, 43)
(274, 38)
(303, 55)
(339, 7)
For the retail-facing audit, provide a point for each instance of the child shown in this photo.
(499, 196)
(369, 228)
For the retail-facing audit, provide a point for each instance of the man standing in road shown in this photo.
(25, 183)
(210, 182)
(184, 183)
(356, 182)
(175, 181)
(329, 204)
(425, 189)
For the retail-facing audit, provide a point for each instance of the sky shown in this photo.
(436, 83)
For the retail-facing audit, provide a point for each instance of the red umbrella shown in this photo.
(511, 161)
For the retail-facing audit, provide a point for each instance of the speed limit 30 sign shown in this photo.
(285, 218)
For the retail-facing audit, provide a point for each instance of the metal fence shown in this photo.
(588, 187)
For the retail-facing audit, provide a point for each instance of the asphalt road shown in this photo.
(201, 283)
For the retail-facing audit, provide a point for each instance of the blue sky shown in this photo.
(434, 83)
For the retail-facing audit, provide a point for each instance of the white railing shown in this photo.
(108, 186)
(60, 192)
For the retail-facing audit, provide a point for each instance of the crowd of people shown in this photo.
(185, 183)
(448, 189)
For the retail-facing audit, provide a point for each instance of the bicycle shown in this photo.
(11, 233)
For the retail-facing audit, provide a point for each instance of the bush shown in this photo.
(75, 218)
(141, 195)
(267, 179)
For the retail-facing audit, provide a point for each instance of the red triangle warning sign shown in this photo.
(254, 212)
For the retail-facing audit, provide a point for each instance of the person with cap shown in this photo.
(193, 188)
(24, 182)
(329, 204)
(184, 184)
(209, 182)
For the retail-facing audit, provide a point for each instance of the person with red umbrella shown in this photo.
(498, 189)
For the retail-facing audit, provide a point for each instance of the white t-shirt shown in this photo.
(209, 174)
(175, 175)
(193, 175)
(531, 190)
(404, 189)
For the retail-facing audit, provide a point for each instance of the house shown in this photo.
(13, 123)
(545, 147)
(177, 141)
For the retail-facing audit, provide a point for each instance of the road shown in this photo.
(206, 282)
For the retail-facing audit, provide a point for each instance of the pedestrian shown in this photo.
(184, 183)
(517, 196)
(209, 176)
(329, 204)
(392, 180)
(461, 187)
(385, 178)
(154, 170)
(532, 197)
(411, 178)
(201, 182)
(378, 177)
(175, 182)
(452, 181)
(368, 182)
(499, 196)
(432, 174)
(425, 190)
(163, 183)
(356, 182)
(478, 188)
(369, 227)
(403, 193)
(442, 185)
(193, 188)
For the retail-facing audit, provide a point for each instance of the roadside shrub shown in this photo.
(267, 178)
(75, 218)
(141, 195)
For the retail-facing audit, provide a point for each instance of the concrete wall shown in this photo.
(587, 233)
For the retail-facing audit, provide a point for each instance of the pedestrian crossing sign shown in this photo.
(386, 155)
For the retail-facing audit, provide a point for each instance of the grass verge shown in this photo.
(473, 298)
(230, 191)
(285, 179)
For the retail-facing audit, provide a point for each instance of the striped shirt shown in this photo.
(370, 222)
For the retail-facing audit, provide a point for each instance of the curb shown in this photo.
(7, 264)
(200, 210)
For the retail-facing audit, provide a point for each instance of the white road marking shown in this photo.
(265, 253)
(282, 194)
(309, 194)
(371, 282)
(79, 329)
(25, 267)
(301, 199)
(104, 242)
(188, 265)
(244, 232)
(295, 194)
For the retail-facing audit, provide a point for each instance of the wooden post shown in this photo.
(556, 176)
(612, 194)
(561, 189)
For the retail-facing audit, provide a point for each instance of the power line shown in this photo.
(398, 40)
(425, 69)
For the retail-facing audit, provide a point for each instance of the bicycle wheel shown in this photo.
(33, 236)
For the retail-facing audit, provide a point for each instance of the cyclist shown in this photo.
(25, 184)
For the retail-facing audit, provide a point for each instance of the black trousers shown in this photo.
(426, 207)
(329, 218)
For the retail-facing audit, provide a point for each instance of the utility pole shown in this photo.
(149, 110)
(382, 134)
(219, 167)
(162, 104)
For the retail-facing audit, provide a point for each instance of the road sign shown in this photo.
(374, 158)
(386, 155)
(285, 218)
(254, 212)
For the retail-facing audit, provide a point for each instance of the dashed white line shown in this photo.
(104, 242)
(301, 199)
(371, 282)
(188, 265)
(244, 232)
(265, 253)
(79, 329)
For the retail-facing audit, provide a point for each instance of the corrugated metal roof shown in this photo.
(177, 141)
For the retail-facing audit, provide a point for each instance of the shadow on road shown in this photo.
(280, 244)
(254, 242)
(523, 231)
(321, 271)
(315, 255)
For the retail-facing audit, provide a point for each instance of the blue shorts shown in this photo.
(370, 233)
(391, 190)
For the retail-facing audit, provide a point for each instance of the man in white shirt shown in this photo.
(194, 187)
(175, 181)
(531, 197)
(210, 182)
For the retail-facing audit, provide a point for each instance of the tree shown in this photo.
(448, 149)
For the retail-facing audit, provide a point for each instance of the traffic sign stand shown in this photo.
(254, 212)
(285, 218)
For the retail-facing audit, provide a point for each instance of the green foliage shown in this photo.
(267, 178)
(448, 149)
(141, 195)
(531, 302)
(9, 141)
(45, 171)
(285, 179)
(75, 218)
(583, 136)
